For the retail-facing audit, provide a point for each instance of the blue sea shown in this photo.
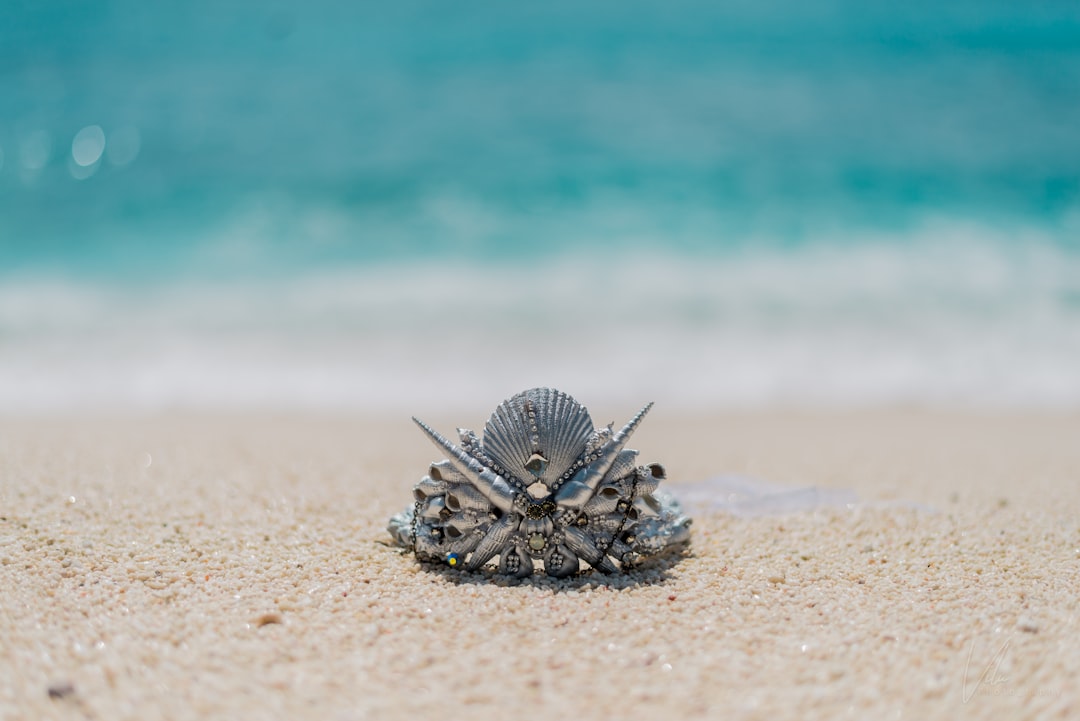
(416, 205)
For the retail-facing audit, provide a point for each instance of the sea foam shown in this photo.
(942, 322)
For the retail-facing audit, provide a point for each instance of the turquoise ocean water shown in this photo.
(354, 205)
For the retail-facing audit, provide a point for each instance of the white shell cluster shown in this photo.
(542, 487)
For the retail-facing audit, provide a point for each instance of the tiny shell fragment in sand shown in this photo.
(61, 689)
(1027, 625)
(268, 618)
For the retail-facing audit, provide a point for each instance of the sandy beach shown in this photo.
(835, 242)
(187, 567)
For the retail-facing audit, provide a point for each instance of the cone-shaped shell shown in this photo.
(597, 469)
(463, 545)
(604, 502)
(562, 428)
(585, 547)
(625, 464)
(428, 487)
(483, 479)
(444, 471)
(465, 497)
(493, 541)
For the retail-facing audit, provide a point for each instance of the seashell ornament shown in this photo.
(541, 489)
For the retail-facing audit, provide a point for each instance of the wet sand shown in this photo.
(238, 567)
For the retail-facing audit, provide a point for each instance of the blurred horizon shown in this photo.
(831, 201)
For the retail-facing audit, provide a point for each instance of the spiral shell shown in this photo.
(539, 421)
(465, 497)
(428, 487)
(624, 465)
(604, 502)
(444, 471)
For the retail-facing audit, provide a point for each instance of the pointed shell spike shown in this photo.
(579, 490)
(585, 547)
(625, 432)
(493, 486)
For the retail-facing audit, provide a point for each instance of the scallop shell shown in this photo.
(563, 427)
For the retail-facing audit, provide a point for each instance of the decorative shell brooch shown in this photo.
(543, 486)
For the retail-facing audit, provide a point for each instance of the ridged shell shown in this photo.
(563, 428)
(444, 471)
(465, 497)
(610, 522)
(428, 487)
(604, 502)
(462, 545)
(493, 541)
(625, 464)
(585, 547)
(646, 481)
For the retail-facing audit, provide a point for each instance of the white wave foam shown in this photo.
(944, 320)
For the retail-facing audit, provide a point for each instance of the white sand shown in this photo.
(236, 567)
